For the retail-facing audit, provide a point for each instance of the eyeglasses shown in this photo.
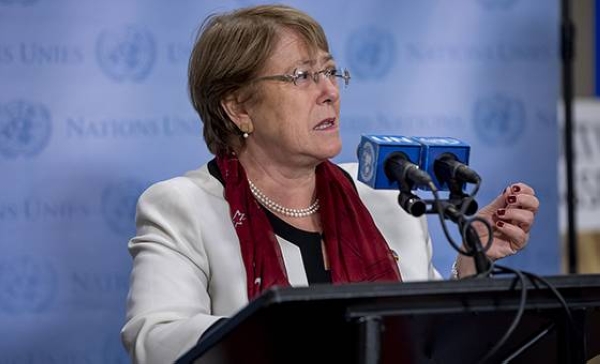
(303, 78)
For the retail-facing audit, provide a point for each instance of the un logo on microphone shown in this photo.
(371, 52)
(118, 205)
(25, 128)
(127, 54)
(367, 162)
(28, 284)
(499, 120)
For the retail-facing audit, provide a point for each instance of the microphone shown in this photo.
(388, 162)
(446, 159)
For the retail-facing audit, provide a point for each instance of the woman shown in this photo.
(271, 209)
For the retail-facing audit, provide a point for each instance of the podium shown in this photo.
(412, 322)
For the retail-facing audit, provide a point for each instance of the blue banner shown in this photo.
(94, 108)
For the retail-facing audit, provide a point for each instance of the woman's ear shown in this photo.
(237, 112)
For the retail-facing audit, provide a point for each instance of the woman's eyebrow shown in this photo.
(312, 62)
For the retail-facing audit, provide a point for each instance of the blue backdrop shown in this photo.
(93, 109)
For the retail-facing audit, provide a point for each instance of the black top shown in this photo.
(308, 242)
(310, 248)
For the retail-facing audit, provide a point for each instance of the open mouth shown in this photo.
(325, 124)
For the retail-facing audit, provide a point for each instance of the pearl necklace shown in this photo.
(275, 207)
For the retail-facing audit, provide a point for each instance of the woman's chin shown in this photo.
(333, 150)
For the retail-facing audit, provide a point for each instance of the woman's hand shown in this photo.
(511, 216)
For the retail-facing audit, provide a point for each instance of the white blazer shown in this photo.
(188, 269)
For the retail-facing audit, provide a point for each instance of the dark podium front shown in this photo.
(413, 322)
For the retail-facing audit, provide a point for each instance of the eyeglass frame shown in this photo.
(293, 78)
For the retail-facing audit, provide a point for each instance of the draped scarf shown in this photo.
(355, 248)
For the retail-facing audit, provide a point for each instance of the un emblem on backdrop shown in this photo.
(127, 54)
(499, 119)
(371, 52)
(118, 205)
(28, 284)
(25, 128)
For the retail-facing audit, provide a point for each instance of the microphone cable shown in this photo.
(517, 318)
(534, 279)
(466, 226)
(496, 269)
(572, 325)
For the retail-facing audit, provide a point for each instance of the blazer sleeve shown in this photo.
(168, 305)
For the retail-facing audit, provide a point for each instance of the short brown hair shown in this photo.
(230, 51)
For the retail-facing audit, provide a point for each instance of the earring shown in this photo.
(246, 130)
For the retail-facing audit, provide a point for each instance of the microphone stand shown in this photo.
(456, 208)
(470, 237)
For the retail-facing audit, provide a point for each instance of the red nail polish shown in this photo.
(516, 188)
(512, 199)
(501, 212)
(500, 223)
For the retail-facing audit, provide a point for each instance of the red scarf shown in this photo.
(356, 250)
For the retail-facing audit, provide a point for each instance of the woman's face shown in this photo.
(295, 124)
